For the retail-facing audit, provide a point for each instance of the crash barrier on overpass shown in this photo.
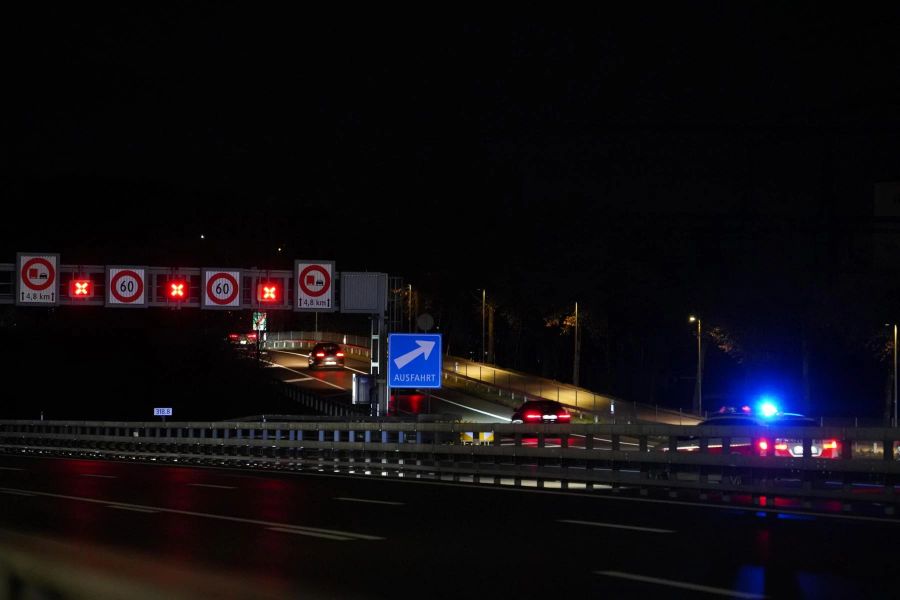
(354, 345)
(567, 456)
(331, 406)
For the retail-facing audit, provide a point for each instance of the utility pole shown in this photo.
(575, 367)
(483, 292)
(699, 406)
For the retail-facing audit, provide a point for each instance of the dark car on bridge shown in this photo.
(541, 411)
(326, 354)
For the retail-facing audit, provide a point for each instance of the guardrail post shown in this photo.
(846, 449)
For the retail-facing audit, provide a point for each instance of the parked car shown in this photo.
(541, 411)
(326, 354)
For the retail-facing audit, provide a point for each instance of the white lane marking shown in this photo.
(305, 375)
(616, 526)
(349, 534)
(370, 501)
(100, 476)
(609, 498)
(311, 534)
(13, 493)
(680, 584)
(212, 485)
(131, 508)
(11, 469)
(294, 353)
(470, 408)
(297, 379)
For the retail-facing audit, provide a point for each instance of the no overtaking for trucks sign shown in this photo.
(315, 285)
(38, 281)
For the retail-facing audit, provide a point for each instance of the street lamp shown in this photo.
(691, 319)
(482, 325)
(894, 420)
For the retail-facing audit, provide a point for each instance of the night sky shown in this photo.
(649, 163)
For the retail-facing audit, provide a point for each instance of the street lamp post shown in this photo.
(894, 419)
(699, 365)
(482, 325)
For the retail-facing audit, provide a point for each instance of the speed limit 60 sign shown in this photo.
(221, 288)
(126, 286)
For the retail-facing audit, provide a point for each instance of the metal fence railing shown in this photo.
(645, 456)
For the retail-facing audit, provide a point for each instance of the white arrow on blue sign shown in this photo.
(414, 360)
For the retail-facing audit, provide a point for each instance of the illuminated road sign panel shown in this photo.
(260, 321)
(268, 292)
(81, 289)
(178, 290)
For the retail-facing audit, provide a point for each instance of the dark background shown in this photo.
(648, 163)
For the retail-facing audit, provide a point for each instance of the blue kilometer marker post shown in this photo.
(414, 360)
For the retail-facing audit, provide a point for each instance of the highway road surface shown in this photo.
(219, 533)
(293, 367)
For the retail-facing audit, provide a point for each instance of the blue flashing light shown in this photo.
(768, 409)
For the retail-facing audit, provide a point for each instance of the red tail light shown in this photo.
(339, 354)
(563, 416)
(781, 446)
(233, 336)
(532, 415)
(763, 445)
(830, 445)
(251, 336)
(320, 354)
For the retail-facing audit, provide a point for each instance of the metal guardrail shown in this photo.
(568, 456)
